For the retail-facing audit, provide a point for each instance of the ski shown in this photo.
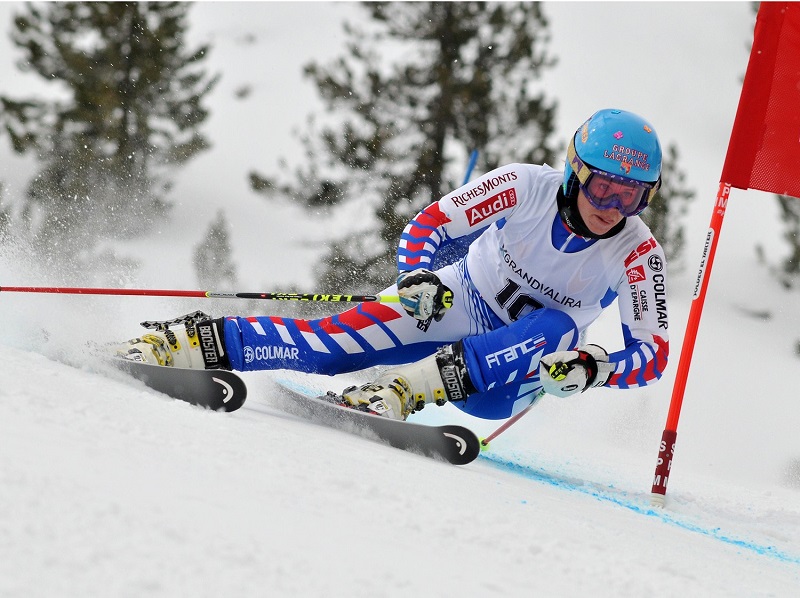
(452, 443)
(218, 390)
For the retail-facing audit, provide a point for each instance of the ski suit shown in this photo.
(526, 287)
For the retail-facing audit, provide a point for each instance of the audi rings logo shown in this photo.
(656, 264)
(249, 354)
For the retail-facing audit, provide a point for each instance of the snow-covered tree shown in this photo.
(665, 215)
(128, 111)
(213, 264)
(422, 84)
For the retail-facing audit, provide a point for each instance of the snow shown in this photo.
(108, 489)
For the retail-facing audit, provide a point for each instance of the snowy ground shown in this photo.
(111, 490)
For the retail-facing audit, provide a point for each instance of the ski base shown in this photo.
(452, 443)
(218, 390)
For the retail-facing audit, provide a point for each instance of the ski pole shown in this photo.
(473, 159)
(329, 297)
(511, 421)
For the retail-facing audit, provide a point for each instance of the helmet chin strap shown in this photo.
(571, 216)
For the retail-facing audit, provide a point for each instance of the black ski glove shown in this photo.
(423, 295)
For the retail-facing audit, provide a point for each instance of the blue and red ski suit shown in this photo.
(527, 287)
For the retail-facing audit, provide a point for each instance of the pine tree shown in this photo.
(212, 257)
(5, 217)
(129, 111)
(464, 77)
(665, 215)
(789, 271)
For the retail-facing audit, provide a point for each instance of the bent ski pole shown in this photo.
(511, 421)
(329, 297)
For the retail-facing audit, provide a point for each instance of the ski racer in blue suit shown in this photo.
(493, 329)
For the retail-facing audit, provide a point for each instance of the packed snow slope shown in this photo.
(109, 489)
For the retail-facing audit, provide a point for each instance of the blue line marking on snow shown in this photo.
(621, 498)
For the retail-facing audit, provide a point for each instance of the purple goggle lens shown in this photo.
(605, 191)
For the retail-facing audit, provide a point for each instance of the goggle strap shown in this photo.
(578, 166)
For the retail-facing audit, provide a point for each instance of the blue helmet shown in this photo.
(618, 144)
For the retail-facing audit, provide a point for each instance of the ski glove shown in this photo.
(423, 295)
(565, 373)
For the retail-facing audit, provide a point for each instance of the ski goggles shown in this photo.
(605, 190)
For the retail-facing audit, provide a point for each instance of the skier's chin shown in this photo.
(601, 224)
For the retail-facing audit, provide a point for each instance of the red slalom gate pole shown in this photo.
(763, 153)
(667, 447)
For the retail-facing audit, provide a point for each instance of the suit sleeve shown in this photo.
(466, 210)
(643, 314)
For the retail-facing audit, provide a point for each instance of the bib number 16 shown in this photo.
(517, 305)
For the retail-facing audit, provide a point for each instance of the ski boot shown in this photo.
(198, 345)
(399, 392)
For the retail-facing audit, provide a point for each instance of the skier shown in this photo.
(488, 332)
